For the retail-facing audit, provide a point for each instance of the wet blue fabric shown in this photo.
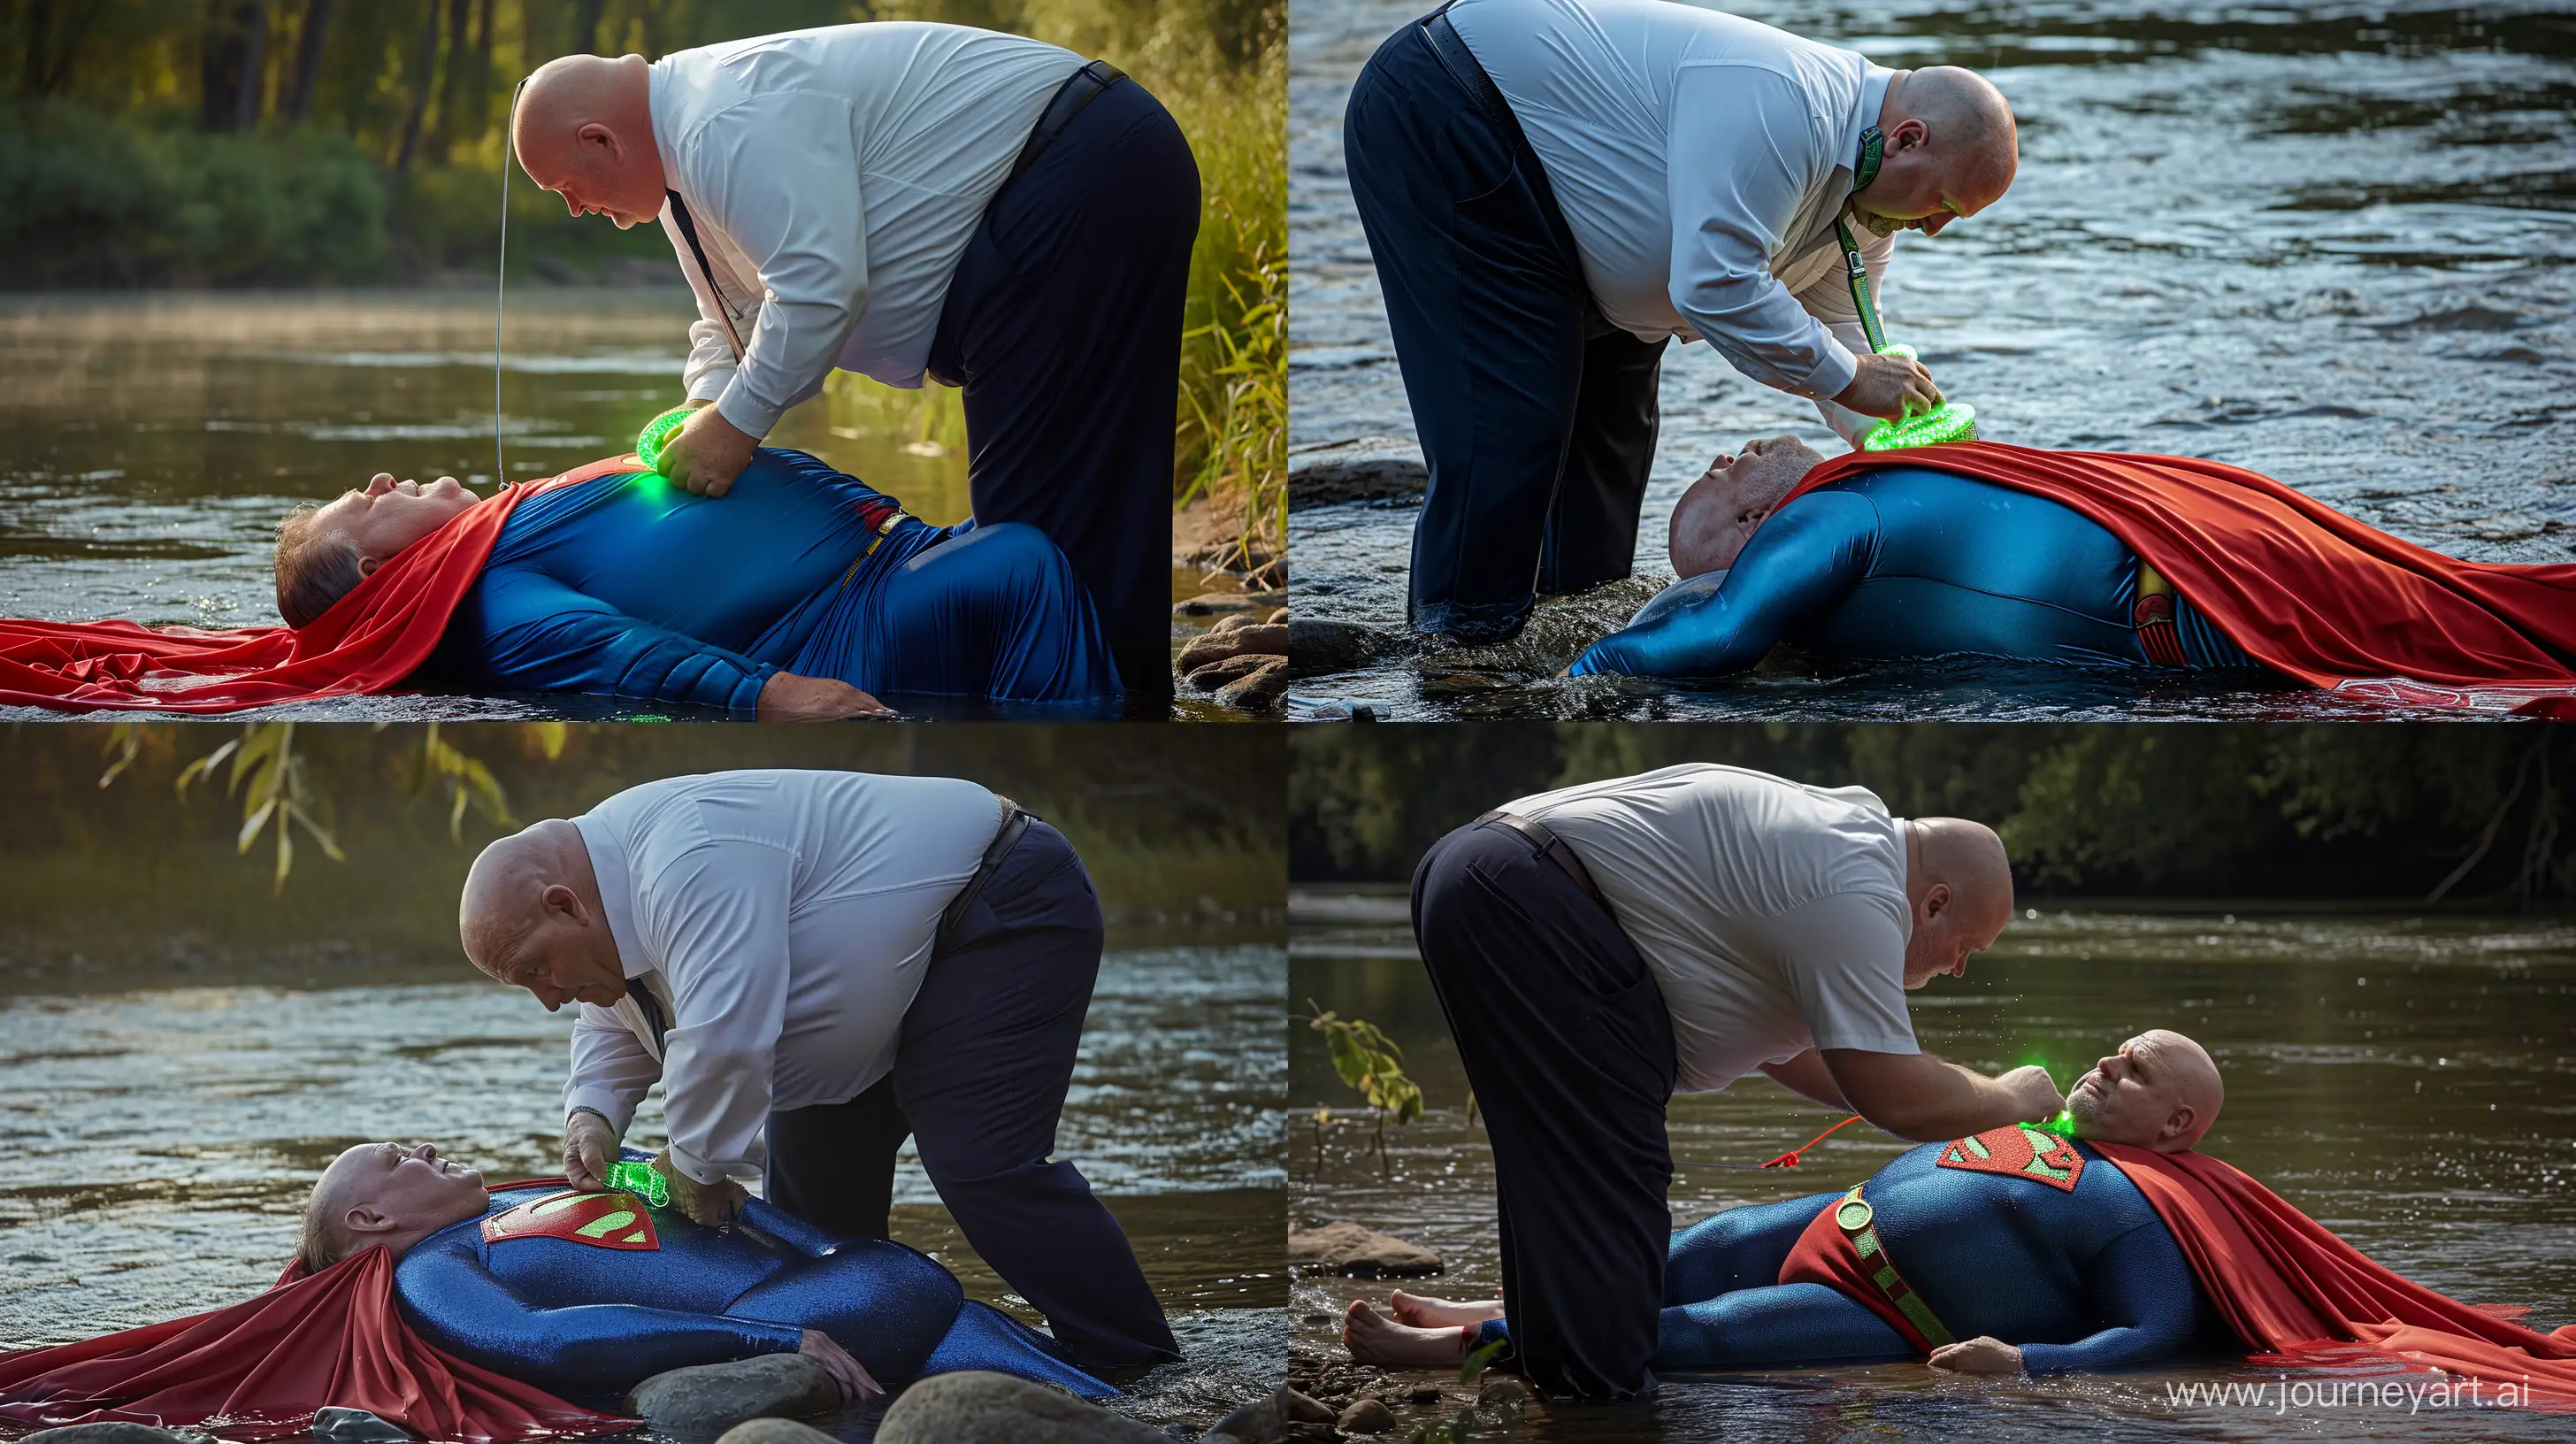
(631, 587)
(1906, 562)
(2084, 1280)
(589, 1323)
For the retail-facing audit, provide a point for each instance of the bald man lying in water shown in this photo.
(586, 1294)
(2098, 559)
(2019, 1248)
(803, 594)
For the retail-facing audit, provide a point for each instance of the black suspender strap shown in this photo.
(689, 233)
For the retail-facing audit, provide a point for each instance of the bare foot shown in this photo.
(1424, 1312)
(1373, 1340)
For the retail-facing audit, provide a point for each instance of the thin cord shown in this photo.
(1789, 1159)
(501, 286)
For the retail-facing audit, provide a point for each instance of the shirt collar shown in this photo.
(1873, 96)
(616, 892)
(659, 102)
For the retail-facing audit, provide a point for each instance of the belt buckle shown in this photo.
(1853, 1214)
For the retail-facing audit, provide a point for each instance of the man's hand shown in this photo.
(588, 1149)
(708, 453)
(1888, 387)
(2036, 1091)
(786, 697)
(857, 1385)
(712, 1204)
(1980, 1355)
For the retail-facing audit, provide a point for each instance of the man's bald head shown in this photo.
(1951, 150)
(1958, 882)
(2160, 1091)
(583, 128)
(530, 916)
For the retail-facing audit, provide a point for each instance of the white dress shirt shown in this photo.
(1772, 913)
(835, 176)
(783, 920)
(1700, 160)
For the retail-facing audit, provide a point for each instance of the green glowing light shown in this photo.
(2064, 1122)
(640, 1179)
(657, 432)
(1949, 421)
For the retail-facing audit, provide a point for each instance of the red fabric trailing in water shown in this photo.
(2304, 589)
(373, 638)
(2294, 1291)
(261, 1368)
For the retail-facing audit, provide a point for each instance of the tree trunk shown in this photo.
(40, 26)
(310, 39)
(250, 20)
(585, 25)
(455, 99)
(424, 72)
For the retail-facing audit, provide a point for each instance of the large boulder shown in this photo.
(1354, 1252)
(1317, 645)
(775, 1431)
(696, 1405)
(975, 1407)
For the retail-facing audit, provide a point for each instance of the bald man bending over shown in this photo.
(903, 200)
(1599, 946)
(1553, 189)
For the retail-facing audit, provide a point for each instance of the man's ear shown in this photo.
(367, 565)
(1910, 133)
(2177, 1124)
(562, 900)
(366, 1218)
(1936, 900)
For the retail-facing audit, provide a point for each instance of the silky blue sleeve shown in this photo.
(2143, 1291)
(589, 1349)
(542, 635)
(788, 1229)
(1798, 563)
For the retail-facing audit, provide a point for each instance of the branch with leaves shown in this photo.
(1370, 1063)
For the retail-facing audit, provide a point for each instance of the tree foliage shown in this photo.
(2183, 810)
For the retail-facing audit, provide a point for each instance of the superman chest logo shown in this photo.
(2020, 1151)
(601, 1220)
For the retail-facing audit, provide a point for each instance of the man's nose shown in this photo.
(571, 206)
(1932, 224)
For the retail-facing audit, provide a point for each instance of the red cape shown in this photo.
(2304, 589)
(2291, 1289)
(368, 642)
(259, 1369)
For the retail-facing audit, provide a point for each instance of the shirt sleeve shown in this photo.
(718, 916)
(1828, 298)
(539, 634)
(778, 175)
(2144, 1296)
(1844, 956)
(711, 362)
(1797, 564)
(611, 1068)
(1736, 172)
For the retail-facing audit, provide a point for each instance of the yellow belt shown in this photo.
(1856, 1219)
(884, 528)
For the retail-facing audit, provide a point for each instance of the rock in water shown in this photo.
(335, 1425)
(1217, 646)
(1232, 669)
(1261, 1423)
(1369, 468)
(975, 1407)
(1366, 1416)
(1316, 646)
(775, 1431)
(1258, 691)
(114, 1432)
(1354, 1252)
(695, 1405)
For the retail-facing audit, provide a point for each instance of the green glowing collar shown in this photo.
(657, 434)
(640, 1179)
(1949, 421)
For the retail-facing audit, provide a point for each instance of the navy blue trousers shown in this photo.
(1566, 1041)
(1536, 417)
(980, 1074)
(1063, 325)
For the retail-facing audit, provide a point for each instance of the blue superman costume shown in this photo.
(2086, 1256)
(609, 580)
(1985, 549)
(493, 1328)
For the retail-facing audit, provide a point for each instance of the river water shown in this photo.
(161, 1140)
(2402, 1079)
(149, 443)
(2329, 242)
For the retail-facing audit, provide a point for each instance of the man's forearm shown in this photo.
(1807, 1076)
(1920, 1097)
